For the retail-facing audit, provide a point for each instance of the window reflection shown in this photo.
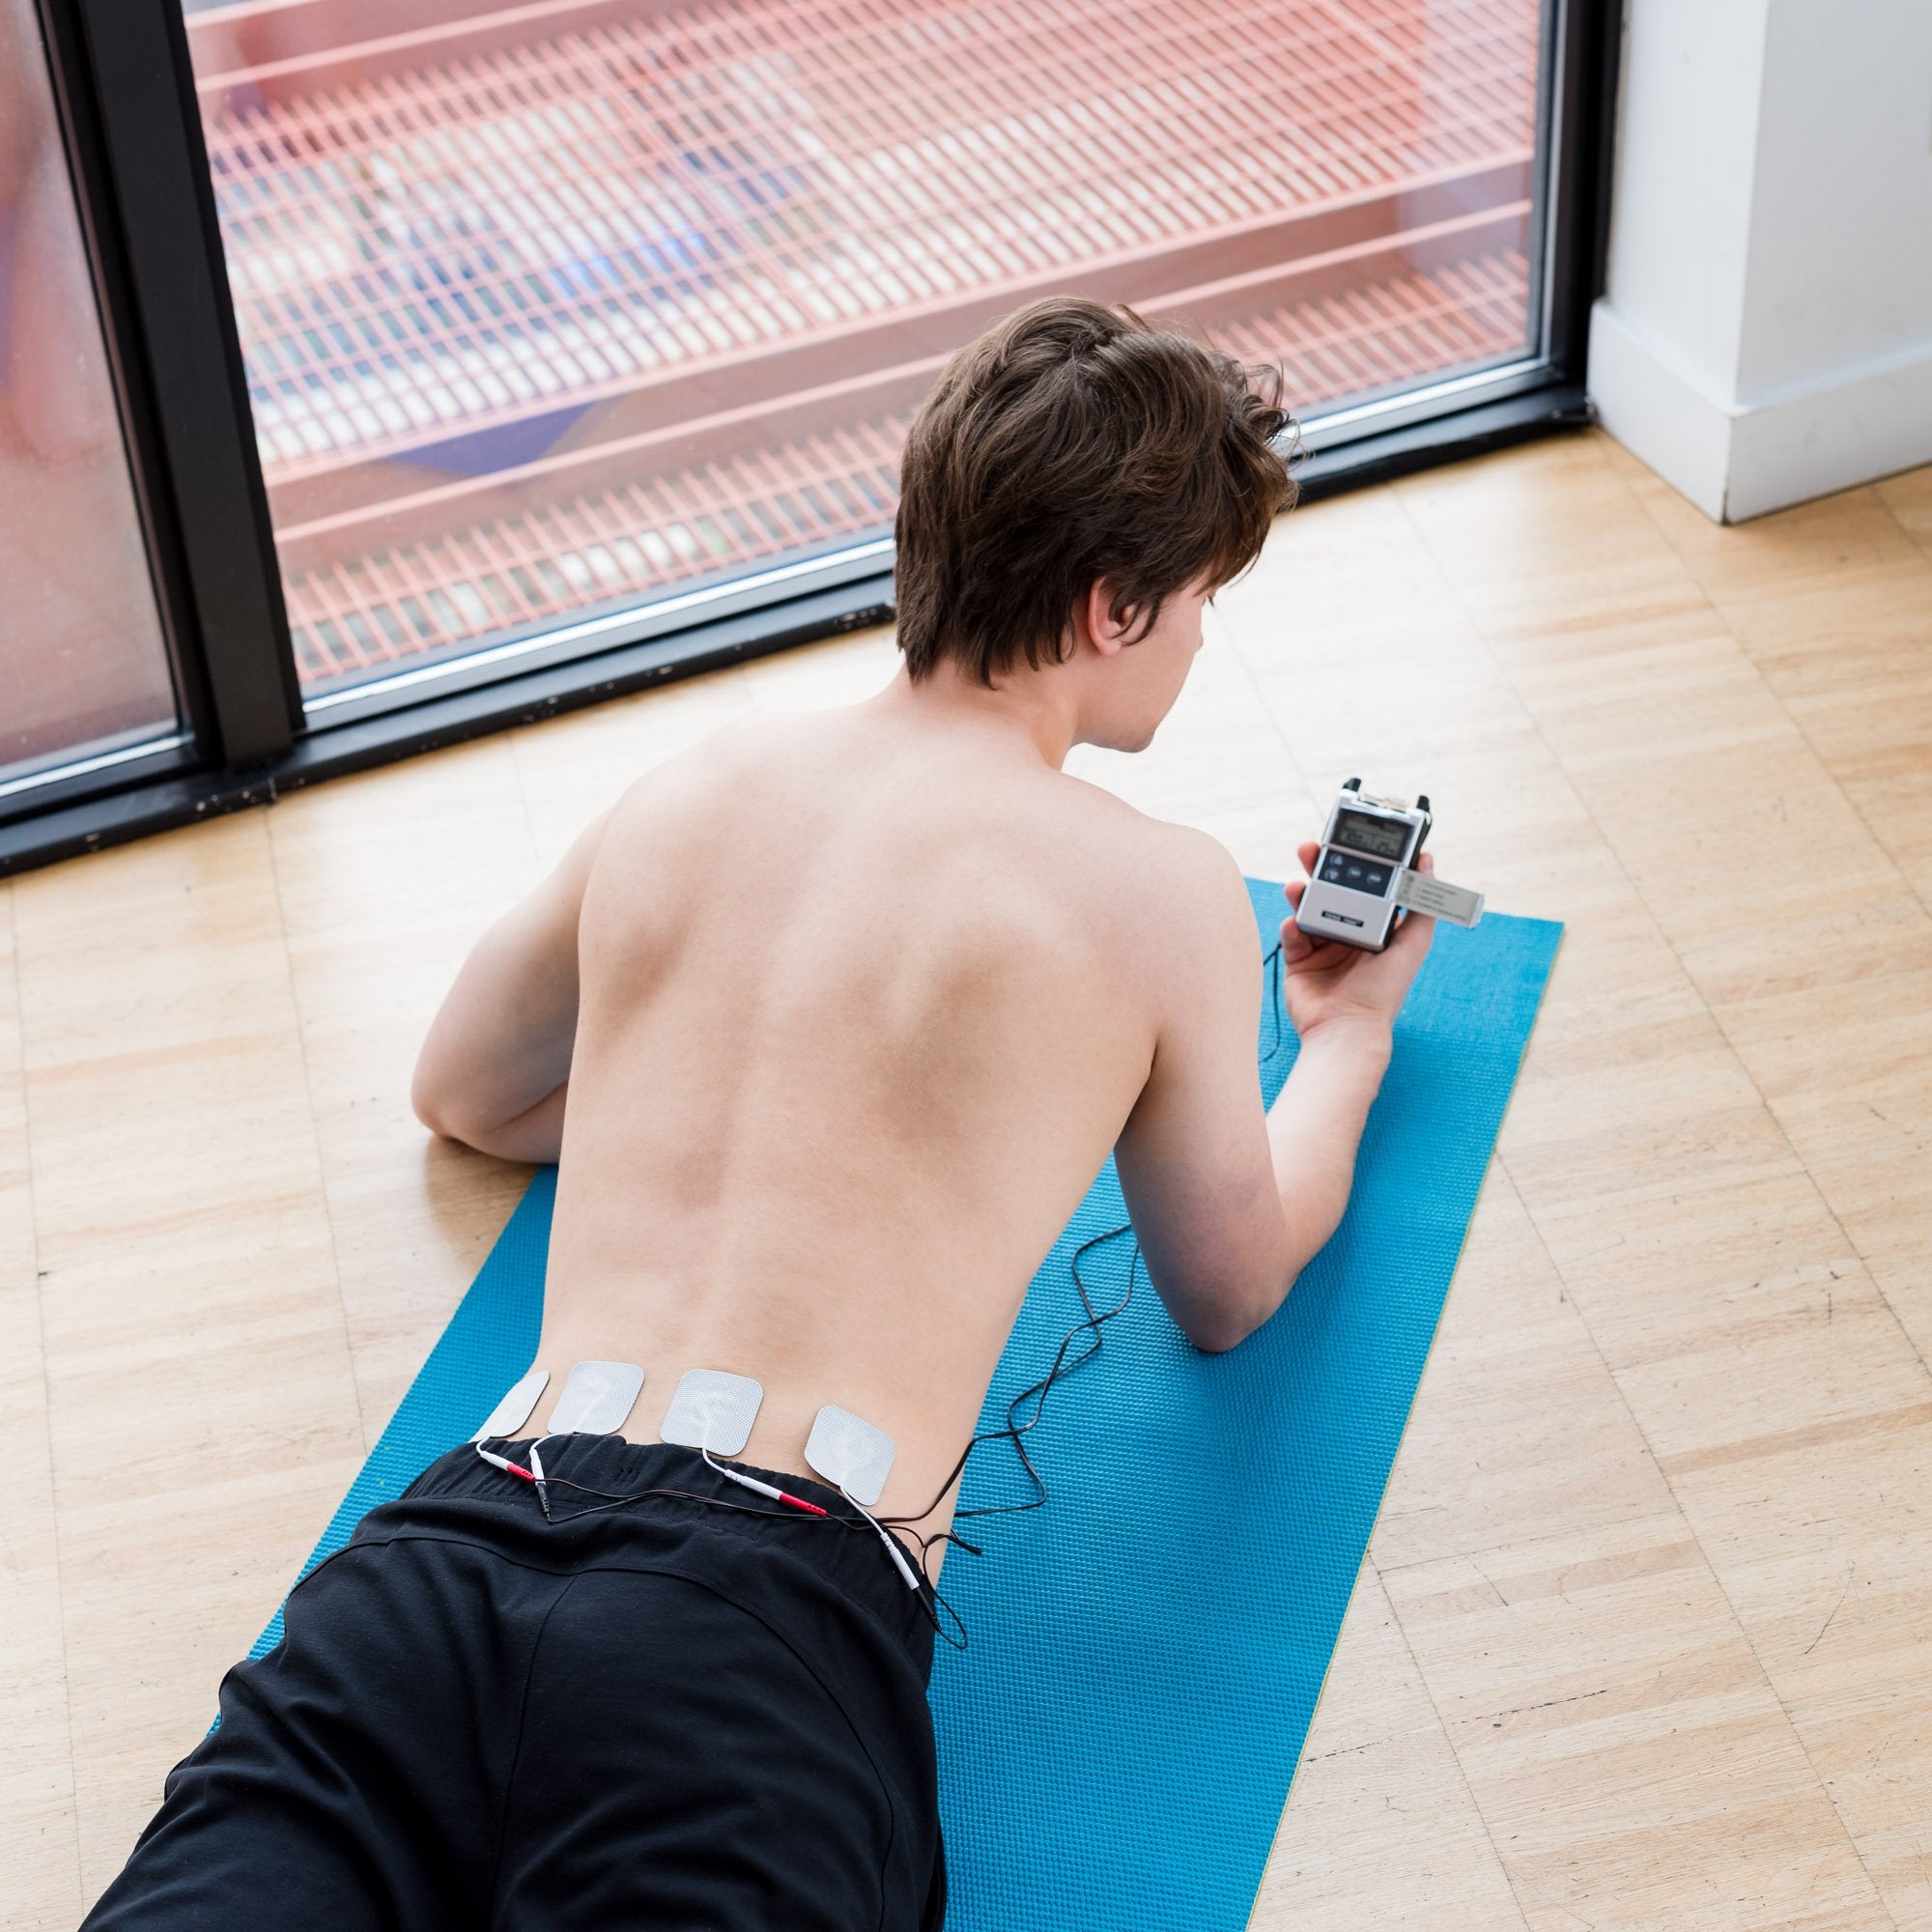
(550, 309)
(83, 664)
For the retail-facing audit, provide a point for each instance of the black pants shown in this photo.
(663, 1714)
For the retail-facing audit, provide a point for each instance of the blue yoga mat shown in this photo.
(1146, 1652)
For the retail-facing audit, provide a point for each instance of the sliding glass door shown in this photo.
(86, 684)
(554, 313)
(377, 372)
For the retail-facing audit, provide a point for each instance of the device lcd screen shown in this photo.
(1380, 838)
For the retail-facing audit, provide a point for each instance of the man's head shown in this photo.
(1075, 487)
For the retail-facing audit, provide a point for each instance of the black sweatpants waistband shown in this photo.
(609, 1498)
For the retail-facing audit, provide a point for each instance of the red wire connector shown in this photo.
(771, 1489)
(504, 1462)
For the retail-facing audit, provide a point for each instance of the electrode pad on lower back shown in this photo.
(849, 1453)
(513, 1410)
(713, 1409)
(596, 1398)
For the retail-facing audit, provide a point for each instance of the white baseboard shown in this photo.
(1661, 415)
(1736, 460)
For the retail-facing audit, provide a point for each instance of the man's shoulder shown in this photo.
(1177, 858)
(1172, 888)
(699, 776)
(1205, 906)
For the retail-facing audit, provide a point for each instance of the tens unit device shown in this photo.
(1365, 873)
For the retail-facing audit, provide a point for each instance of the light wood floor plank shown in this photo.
(1908, 498)
(404, 867)
(1381, 1831)
(202, 1406)
(1622, 1796)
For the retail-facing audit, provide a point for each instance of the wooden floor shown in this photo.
(1645, 1635)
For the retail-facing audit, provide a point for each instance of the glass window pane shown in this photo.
(84, 668)
(549, 311)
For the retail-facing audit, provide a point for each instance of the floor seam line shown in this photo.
(314, 1129)
(46, 1390)
(1441, 1724)
(1508, 1543)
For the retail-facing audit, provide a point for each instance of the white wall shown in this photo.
(1766, 334)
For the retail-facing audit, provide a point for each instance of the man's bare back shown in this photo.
(865, 1005)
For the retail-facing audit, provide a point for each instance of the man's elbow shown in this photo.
(433, 1105)
(1216, 1338)
(441, 1125)
(1228, 1326)
(1219, 1336)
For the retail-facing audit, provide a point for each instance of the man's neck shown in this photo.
(1035, 715)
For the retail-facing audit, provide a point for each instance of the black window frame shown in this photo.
(124, 92)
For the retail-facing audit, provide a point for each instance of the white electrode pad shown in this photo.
(513, 1410)
(596, 1398)
(1424, 892)
(849, 1453)
(713, 1410)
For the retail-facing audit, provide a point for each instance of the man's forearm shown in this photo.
(498, 1055)
(1314, 1128)
(494, 1069)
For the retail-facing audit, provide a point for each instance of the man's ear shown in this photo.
(1096, 622)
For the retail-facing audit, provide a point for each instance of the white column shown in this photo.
(1767, 331)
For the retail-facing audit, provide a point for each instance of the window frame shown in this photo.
(124, 91)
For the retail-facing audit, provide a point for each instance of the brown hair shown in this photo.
(1072, 443)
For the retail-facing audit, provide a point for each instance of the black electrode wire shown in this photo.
(1271, 966)
(1016, 1431)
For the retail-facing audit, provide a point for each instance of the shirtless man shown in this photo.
(830, 1024)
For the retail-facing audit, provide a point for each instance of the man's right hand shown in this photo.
(1325, 984)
